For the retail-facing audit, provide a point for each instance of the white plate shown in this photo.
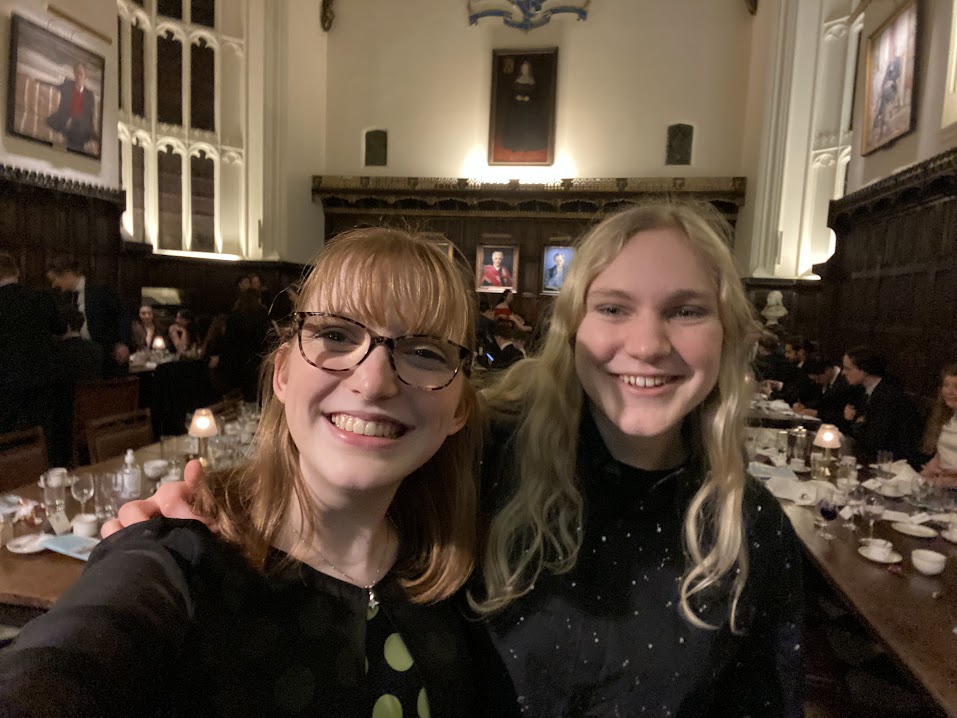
(950, 535)
(31, 543)
(891, 492)
(914, 530)
(893, 558)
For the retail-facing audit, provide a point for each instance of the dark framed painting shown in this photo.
(556, 261)
(496, 267)
(889, 103)
(522, 122)
(54, 90)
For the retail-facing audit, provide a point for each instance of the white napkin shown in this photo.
(779, 405)
(903, 472)
(763, 471)
(895, 516)
(803, 493)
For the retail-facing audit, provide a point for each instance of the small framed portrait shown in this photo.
(496, 267)
(522, 122)
(54, 90)
(556, 261)
(889, 108)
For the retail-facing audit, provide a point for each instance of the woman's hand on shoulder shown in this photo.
(171, 500)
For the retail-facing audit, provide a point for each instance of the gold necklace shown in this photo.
(370, 588)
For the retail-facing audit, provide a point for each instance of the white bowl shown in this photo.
(155, 468)
(928, 562)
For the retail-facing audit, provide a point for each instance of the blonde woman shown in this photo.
(940, 439)
(629, 565)
(340, 541)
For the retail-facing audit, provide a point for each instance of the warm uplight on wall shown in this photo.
(476, 168)
(199, 255)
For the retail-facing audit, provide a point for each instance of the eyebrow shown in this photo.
(682, 295)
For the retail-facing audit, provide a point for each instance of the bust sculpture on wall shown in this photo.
(774, 310)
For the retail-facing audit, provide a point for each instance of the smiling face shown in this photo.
(362, 429)
(146, 315)
(648, 349)
(948, 391)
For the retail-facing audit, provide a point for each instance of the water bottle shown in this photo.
(131, 484)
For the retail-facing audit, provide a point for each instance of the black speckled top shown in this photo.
(608, 639)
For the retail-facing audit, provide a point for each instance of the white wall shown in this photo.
(18, 152)
(927, 140)
(417, 69)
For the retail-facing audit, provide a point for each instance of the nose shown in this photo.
(647, 338)
(375, 378)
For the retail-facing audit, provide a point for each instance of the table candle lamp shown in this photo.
(203, 426)
(159, 344)
(828, 437)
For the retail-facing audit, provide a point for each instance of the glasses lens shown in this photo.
(333, 343)
(426, 362)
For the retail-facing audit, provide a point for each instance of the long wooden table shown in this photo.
(37, 580)
(913, 615)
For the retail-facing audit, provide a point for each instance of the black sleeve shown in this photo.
(766, 678)
(112, 642)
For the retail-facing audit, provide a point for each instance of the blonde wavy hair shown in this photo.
(368, 274)
(940, 413)
(538, 529)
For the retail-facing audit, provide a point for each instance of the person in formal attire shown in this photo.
(555, 274)
(628, 561)
(827, 394)
(182, 333)
(940, 437)
(244, 343)
(503, 312)
(886, 418)
(342, 539)
(106, 322)
(28, 323)
(145, 329)
(496, 274)
(77, 359)
(508, 345)
(74, 115)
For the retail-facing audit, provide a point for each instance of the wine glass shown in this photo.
(828, 509)
(82, 490)
(854, 500)
(872, 509)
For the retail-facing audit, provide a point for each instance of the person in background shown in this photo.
(281, 307)
(28, 322)
(503, 311)
(106, 322)
(509, 345)
(940, 438)
(885, 419)
(74, 115)
(182, 333)
(343, 537)
(77, 359)
(827, 394)
(145, 329)
(244, 343)
(212, 351)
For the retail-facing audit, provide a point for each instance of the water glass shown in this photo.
(82, 490)
(106, 486)
(54, 483)
(872, 509)
(884, 461)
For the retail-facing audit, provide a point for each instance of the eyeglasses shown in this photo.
(336, 343)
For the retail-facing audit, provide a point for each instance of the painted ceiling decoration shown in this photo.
(525, 14)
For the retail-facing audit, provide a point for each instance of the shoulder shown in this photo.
(187, 541)
(769, 529)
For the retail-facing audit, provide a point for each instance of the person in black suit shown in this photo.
(827, 393)
(28, 321)
(74, 115)
(886, 418)
(107, 323)
(509, 344)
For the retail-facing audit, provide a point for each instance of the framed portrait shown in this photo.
(54, 90)
(556, 261)
(889, 106)
(522, 122)
(496, 267)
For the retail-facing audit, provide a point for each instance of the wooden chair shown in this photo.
(98, 399)
(23, 457)
(227, 408)
(113, 435)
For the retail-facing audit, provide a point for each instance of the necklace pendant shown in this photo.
(373, 601)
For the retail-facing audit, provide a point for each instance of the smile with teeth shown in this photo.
(645, 382)
(355, 425)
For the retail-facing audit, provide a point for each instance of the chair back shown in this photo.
(113, 435)
(98, 399)
(23, 458)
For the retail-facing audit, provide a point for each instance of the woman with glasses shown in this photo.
(340, 539)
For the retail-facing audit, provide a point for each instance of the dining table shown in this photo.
(913, 616)
(37, 580)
